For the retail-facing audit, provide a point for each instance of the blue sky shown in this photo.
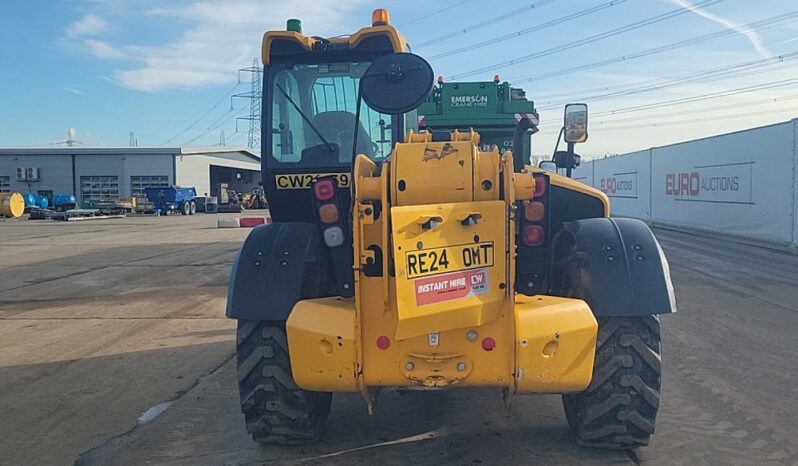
(164, 69)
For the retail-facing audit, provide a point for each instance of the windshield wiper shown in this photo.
(307, 120)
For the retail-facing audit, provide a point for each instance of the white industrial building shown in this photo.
(101, 172)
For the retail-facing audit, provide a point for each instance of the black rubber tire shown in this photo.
(619, 408)
(185, 208)
(275, 409)
(192, 208)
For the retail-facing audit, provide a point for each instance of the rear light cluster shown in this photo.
(335, 232)
(324, 191)
(534, 213)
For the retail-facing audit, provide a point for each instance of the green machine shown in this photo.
(492, 108)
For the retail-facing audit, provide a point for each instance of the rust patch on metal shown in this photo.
(430, 153)
(448, 149)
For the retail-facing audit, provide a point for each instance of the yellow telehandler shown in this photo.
(399, 258)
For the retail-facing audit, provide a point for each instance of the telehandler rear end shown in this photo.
(411, 259)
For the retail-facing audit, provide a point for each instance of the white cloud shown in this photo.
(104, 50)
(88, 25)
(72, 90)
(218, 38)
(185, 64)
(752, 36)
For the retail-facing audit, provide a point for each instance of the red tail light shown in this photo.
(534, 235)
(324, 190)
(540, 186)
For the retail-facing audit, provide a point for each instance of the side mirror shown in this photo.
(575, 123)
(549, 166)
(396, 83)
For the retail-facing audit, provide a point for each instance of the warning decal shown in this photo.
(450, 286)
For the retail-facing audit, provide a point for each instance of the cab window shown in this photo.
(313, 106)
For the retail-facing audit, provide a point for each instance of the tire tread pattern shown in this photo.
(619, 408)
(276, 411)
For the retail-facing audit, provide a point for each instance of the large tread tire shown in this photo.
(619, 408)
(276, 411)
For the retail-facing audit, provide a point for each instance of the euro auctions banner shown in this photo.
(625, 180)
(725, 183)
(738, 184)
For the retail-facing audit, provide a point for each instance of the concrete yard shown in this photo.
(114, 349)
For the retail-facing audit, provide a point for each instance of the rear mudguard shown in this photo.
(278, 264)
(623, 264)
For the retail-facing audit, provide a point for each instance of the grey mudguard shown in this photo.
(624, 265)
(279, 264)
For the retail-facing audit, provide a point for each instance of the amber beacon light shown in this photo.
(379, 17)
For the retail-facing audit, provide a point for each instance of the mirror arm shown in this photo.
(557, 145)
(571, 161)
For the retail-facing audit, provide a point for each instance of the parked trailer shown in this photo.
(76, 214)
(173, 198)
(85, 214)
(108, 206)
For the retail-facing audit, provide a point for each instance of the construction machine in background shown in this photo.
(255, 199)
(493, 109)
(429, 260)
(229, 201)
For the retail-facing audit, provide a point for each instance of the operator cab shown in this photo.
(310, 118)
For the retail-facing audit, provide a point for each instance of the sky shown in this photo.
(653, 72)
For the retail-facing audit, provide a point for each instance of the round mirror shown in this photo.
(397, 83)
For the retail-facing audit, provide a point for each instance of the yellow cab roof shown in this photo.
(289, 42)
